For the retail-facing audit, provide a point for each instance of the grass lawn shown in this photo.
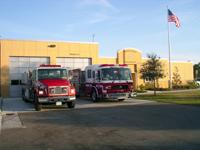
(187, 98)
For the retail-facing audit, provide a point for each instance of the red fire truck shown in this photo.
(105, 81)
(48, 84)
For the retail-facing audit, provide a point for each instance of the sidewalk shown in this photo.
(14, 105)
(10, 107)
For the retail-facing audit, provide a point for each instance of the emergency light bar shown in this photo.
(110, 65)
(123, 65)
(43, 65)
(106, 65)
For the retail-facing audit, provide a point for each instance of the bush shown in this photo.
(141, 89)
(192, 85)
(149, 86)
(188, 85)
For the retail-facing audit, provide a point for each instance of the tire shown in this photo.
(120, 100)
(94, 96)
(36, 103)
(23, 95)
(71, 104)
(24, 98)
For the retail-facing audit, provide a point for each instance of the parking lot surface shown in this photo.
(109, 125)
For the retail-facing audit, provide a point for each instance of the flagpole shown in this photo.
(169, 52)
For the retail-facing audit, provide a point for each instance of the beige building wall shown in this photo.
(130, 56)
(185, 70)
(49, 49)
(107, 60)
(133, 57)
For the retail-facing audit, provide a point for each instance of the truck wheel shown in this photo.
(71, 104)
(120, 100)
(23, 95)
(36, 103)
(94, 96)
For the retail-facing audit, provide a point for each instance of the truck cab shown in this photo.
(108, 81)
(48, 84)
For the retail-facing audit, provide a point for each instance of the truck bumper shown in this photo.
(118, 96)
(52, 100)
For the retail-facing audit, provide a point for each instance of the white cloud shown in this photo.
(101, 3)
(98, 10)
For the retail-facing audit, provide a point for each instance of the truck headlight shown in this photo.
(108, 87)
(72, 91)
(41, 92)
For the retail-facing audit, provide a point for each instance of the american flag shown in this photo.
(173, 18)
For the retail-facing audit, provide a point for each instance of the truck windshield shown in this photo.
(116, 74)
(52, 74)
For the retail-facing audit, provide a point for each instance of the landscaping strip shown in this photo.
(185, 97)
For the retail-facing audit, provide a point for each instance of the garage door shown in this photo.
(74, 63)
(19, 65)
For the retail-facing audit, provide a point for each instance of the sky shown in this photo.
(116, 24)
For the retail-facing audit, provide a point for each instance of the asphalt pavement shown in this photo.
(131, 124)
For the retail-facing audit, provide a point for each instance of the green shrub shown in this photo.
(141, 89)
(149, 86)
(192, 85)
(188, 85)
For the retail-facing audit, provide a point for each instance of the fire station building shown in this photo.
(19, 56)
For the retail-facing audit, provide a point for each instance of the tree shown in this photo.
(197, 71)
(176, 78)
(152, 69)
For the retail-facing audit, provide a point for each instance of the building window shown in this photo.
(16, 82)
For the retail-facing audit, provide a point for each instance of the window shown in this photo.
(16, 82)
(116, 74)
(98, 77)
(89, 74)
(52, 73)
(93, 74)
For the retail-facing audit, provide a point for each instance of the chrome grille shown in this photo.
(120, 87)
(118, 94)
(58, 90)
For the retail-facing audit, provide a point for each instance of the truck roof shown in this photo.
(106, 66)
(51, 67)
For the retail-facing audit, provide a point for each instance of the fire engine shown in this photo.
(106, 81)
(48, 84)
